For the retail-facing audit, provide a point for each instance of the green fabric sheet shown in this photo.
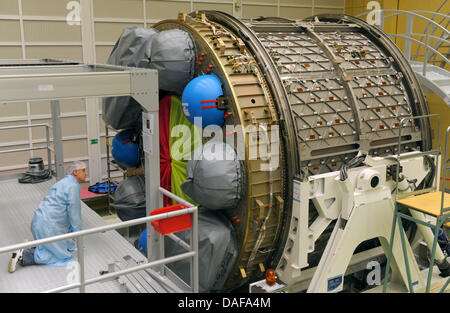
(182, 146)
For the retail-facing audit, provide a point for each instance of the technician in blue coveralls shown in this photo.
(59, 213)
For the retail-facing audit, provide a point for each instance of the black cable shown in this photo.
(428, 180)
(413, 232)
(34, 178)
(356, 161)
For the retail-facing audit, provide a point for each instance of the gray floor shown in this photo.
(17, 205)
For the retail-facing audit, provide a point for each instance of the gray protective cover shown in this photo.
(217, 251)
(171, 52)
(173, 55)
(129, 198)
(132, 49)
(214, 176)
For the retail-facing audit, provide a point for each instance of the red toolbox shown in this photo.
(172, 224)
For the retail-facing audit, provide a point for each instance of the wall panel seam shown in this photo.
(38, 141)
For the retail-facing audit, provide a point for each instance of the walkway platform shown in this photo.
(17, 205)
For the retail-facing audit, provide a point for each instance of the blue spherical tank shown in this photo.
(199, 99)
(124, 150)
(142, 245)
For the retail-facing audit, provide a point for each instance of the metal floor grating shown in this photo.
(17, 205)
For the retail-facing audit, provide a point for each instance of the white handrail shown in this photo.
(422, 44)
(193, 253)
(431, 36)
(31, 148)
(408, 35)
(100, 229)
(412, 13)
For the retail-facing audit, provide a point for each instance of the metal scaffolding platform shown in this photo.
(102, 249)
(124, 269)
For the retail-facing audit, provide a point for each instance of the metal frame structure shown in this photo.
(47, 135)
(328, 100)
(440, 218)
(109, 164)
(435, 152)
(50, 79)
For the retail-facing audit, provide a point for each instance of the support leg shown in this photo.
(368, 221)
(405, 254)
(445, 286)
(433, 253)
(389, 255)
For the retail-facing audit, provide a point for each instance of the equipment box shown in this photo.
(172, 224)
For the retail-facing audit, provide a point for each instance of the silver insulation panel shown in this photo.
(345, 93)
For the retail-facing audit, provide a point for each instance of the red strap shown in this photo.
(209, 107)
(208, 101)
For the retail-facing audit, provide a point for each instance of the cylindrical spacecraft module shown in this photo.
(304, 97)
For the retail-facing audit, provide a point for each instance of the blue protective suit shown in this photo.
(59, 213)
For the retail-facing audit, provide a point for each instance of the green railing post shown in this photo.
(405, 254)
(389, 256)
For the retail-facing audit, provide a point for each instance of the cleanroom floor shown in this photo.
(17, 205)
